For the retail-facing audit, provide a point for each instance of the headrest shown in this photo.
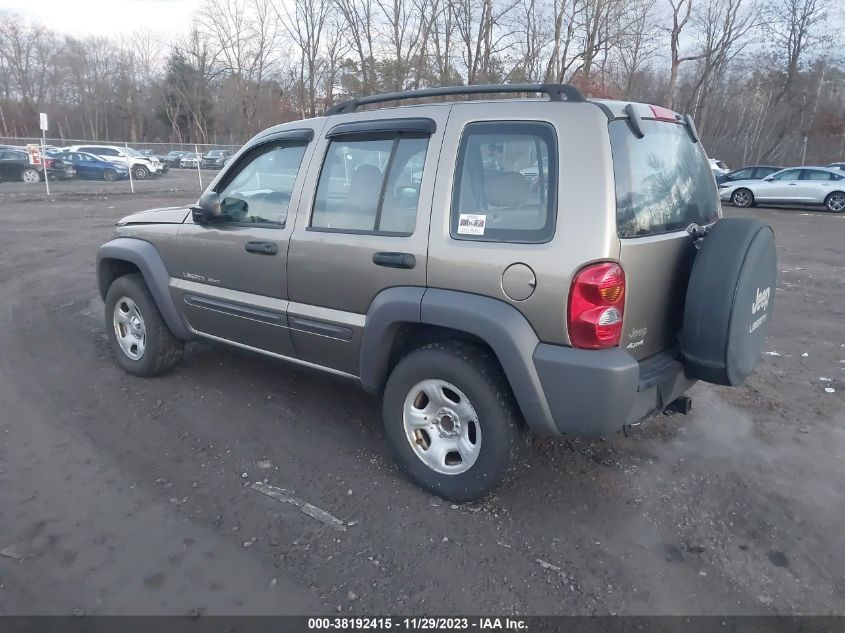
(505, 189)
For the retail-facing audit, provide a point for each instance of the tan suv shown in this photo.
(554, 262)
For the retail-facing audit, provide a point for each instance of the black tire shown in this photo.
(742, 198)
(474, 371)
(835, 202)
(30, 175)
(110, 175)
(163, 350)
(140, 172)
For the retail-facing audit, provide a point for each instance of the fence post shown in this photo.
(44, 163)
(129, 167)
(199, 171)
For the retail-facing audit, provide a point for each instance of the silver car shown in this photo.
(794, 185)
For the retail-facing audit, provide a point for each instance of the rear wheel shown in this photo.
(742, 198)
(30, 176)
(835, 202)
(141, 342)
(450, 420)
(110, 175)
(140, 172)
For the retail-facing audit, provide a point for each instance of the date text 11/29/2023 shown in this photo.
(362, 623)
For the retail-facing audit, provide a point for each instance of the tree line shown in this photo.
(764, 79)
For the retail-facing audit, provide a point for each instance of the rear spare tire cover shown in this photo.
(729, 301)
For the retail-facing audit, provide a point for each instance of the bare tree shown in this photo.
(403, 26)
(561, 60)
(28, 53)
(305, 21)
(639, 43)
(359, 20)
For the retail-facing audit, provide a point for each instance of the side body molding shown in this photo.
(145, 256)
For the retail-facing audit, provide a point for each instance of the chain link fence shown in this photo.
(84, 166)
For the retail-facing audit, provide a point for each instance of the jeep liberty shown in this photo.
(557, 262)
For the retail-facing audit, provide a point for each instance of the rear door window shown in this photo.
(370, 184)
(505, 183)
(664, 181)
(816, 174)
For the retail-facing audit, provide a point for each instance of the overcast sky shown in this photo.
(106, 17)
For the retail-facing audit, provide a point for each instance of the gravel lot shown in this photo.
(122, 495)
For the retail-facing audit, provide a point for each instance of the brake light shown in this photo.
(48, 163)
(596, 306)
(664, 114)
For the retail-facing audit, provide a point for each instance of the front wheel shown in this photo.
(140, 172)
(110, 175)
(450, 420)
(141, 342)
(835, 202)
(742, 198)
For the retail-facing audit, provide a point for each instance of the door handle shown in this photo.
(262, 248)
(792, 184)
(394, 260)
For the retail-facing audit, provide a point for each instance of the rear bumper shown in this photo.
(598, 392)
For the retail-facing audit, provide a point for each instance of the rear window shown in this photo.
(663, 181)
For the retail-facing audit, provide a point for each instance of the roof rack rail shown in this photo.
(555, 92)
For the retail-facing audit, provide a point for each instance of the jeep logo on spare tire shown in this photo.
(762, 300)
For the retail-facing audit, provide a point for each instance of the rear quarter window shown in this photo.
(505, 183)
(664, 182)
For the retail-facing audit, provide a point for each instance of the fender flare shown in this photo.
(495, 322)
(147, 259)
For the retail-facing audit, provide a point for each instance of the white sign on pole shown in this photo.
(43, 120)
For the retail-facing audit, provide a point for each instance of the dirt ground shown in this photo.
(123, 496)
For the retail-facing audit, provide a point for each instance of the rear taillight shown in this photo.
(596, 306)
(48, 163)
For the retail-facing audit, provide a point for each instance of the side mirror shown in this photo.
(768, 179)
(207, 209)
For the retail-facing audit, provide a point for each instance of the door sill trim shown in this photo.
(295, 361)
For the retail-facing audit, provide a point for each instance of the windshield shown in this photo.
(663, 181)
(215, 152)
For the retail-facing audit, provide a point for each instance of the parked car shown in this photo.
(794, 185)
(91, 167)
(142, 167)
(149, 153)
(468, 300)
(173, 158)
(190, 160)
(752, 172)
(719, 167)
(839, 166)
(215, 159)
(14, 165)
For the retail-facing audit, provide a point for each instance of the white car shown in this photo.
(794, 185)
(142, 166)
(190, 160)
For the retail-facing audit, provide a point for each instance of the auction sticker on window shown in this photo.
(471, 224)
